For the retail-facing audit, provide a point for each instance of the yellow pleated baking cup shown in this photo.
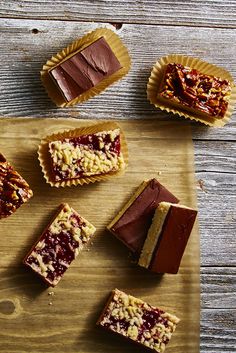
(204, 67)
(45, 158)
(118, 49)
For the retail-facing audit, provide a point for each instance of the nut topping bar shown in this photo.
(59, 245)
(87, 155)
(133, 221)
(14, 190)
(190, 89)
(167, 238)
(85, 69)
(138, 321)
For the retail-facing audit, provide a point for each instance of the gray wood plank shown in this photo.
(217, 218)
(200, 13)
(218, 287)
(218, 331)
(23, 54)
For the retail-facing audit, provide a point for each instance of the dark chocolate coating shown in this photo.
(69, 88)
(101, 58)
(85, 69)
(77, 68)
(173, 240)
(132, 227)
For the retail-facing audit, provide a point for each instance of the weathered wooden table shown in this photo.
(31, 31)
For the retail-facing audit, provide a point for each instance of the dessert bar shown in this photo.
(86, 155)
(194, 91)
(138, 321)
(133, 221)
(167, 238)
(14, 190)
(59, 245)
(85, 69)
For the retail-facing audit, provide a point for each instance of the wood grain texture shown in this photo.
(215, 13)
(218, 333)
(106, 266)
(23, 54)
(218, 289)
(27, 44)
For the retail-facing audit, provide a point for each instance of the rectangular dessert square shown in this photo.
(138, 321)
(14, 190)
(86, 155)
(59, 245)
(191, 90)
(133, 221)
(85, 69)
(167, 238)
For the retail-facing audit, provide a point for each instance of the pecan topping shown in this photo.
(191, 88)
(14, 190)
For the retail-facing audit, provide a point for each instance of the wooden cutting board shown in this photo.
(36, 319)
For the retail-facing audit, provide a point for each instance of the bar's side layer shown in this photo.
(154, 234)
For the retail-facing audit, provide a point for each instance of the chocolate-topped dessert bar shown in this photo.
(86, 155)
(14, 190)
(194, 91)
(85, 69)
(59, 245)
(133, 221)
(138, 321)
(167, 238)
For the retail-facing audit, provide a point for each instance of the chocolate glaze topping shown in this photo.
(133, 225)
(173, 240)
(85, 69)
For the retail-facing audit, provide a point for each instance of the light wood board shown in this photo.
(33, 321)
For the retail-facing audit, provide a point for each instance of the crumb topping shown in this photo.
(60, 244)
(139, 321)
(86, 155)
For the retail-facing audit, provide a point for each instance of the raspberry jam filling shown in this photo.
(138, 321)
(59, 245)
(59, 251)
(93, 142)
(85, 155)
(150, 318)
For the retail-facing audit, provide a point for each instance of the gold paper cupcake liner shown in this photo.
(118, 49)
(45, 159)
(156, 78)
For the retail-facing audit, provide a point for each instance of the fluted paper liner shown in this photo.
(118, 49)
(45, 159)
(156, 78)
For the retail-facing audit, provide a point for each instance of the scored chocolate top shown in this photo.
(138, 321)
(191, 88)
(85, 69)
(132, 227)
(14, 190)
